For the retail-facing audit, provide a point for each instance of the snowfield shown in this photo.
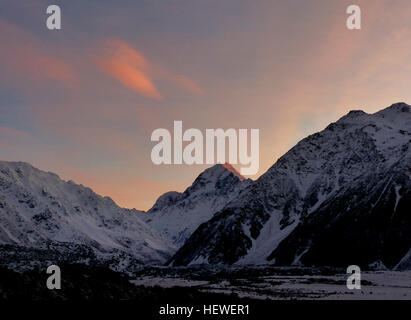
(281, 283)
(64, 220)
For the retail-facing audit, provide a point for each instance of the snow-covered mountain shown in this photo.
(341, 196)
(45, 218)
(176, 215)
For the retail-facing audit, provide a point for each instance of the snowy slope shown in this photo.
(39, 210)
(176, 215)
(361, 162)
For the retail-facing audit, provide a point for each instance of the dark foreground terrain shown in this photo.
(264, 289)
(104, 289)
(193, 284)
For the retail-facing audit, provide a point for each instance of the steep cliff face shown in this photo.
(341, 195)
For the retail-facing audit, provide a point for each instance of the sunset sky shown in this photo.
(83, 101)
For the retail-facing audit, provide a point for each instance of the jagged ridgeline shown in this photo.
(339, 197)
(43, 218)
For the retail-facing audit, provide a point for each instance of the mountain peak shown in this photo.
(352, 115)
(356, 113)
(230, 168)
(398, 107)
(360, 160)
(396, 112)
(177, 215)
(215, 175)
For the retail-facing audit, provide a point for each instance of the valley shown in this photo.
(279, 283)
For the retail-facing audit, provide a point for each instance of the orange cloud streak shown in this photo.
(128, 66)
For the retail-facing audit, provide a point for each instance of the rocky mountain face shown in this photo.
(176, 215)
(45, 218)
(341, 196)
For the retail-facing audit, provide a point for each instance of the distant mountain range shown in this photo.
(45, 218)
(339, 197)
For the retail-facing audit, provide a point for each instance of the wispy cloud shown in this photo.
(22, 57)
(127, 66)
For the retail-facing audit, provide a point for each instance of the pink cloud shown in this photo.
(127, 66)
(22, 56)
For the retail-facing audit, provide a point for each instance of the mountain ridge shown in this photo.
(39, 210)
(347, 184)
(251, 227)
(176, 215)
